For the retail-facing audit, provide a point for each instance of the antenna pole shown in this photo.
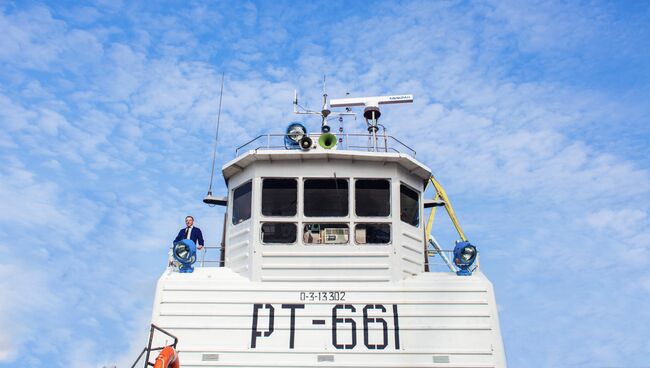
(374, 130)
(216, 138)
(295, 101)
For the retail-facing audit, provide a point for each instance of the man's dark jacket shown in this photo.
(196, 236)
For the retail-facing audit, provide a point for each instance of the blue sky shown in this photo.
(534, 116)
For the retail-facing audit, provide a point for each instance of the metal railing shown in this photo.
(210, 257)
(202, 257)
(439, 258)
(435, 259)
(346, 141)
(211, 262)
(148, 349)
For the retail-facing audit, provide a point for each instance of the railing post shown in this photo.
(138, 358)
(222, 253)
(146, 359)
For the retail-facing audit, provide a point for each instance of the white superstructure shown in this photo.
(326, 266)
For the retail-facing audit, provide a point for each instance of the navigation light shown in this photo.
(184, 252)
(464, 256)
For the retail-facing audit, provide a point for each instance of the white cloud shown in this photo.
(102, 138)
(625, 222)
(25, 294)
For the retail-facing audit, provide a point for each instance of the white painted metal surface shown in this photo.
(431, 320)
(371, 101)
(407, 162)
(328, 305)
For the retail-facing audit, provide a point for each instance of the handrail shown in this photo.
(387, 143)
(247, 143)
(148, 349)
(201, 255)
(204, 251)
(445, 255)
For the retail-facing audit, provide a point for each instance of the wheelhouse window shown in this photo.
(314, 234)
(241, 203)
(279, 197)
(372, 197)
(378, 233)
(279, 233)
(326, 197)
(409, 205)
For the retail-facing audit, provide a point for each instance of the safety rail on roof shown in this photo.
(346, 141)
(213, 259)
(210, 256)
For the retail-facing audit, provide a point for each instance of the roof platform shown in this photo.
(404, 160)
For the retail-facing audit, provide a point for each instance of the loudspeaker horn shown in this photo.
(327, 140)
(305, 143)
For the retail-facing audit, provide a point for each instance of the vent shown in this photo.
(325, 358)
(441, 359)
(210, 357)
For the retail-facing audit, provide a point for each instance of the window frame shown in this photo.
(303, 202)
(390, 227)
(390, 198)
(298, 196)
(232, 209)
(419, 204)
(302, 237)
(262, 223)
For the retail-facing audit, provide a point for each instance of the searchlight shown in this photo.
(184, 251)
(464, 256)
(295, 133)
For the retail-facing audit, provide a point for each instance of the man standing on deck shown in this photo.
(191, 232)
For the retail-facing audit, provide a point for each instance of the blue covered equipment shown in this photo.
(464, 256)
(296, 136)
(184, 251)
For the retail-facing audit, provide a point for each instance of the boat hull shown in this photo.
(433, 319)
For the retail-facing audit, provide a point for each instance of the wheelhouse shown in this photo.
(292, 216)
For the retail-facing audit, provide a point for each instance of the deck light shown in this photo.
(184, 252)
(464, 256)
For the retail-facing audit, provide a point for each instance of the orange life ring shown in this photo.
(167, 358)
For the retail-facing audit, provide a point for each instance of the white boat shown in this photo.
(325, 263)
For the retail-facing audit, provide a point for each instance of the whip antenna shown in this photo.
(216, 138)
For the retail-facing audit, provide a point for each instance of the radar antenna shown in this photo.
(371, 111)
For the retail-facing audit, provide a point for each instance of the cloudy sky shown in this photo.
(534, 116)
